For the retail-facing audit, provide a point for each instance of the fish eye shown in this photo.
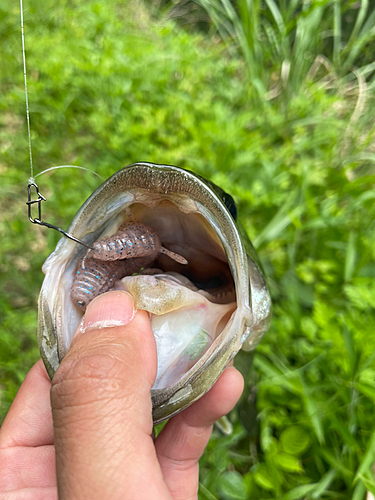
(233, 210)
(80, 303)
(230, 204)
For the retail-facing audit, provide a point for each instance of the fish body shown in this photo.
(191, 217)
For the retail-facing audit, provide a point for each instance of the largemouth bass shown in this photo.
(192, 267)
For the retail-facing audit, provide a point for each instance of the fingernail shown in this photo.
(110, 309)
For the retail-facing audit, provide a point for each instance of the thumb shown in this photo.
(101, 406)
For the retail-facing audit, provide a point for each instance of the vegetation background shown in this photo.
(272, 100)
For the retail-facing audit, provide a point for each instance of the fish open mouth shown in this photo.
(189, 304)
(219, 297)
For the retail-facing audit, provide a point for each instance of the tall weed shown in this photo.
(287, 44)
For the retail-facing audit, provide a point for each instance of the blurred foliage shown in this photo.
(109, 86)
(286, 43)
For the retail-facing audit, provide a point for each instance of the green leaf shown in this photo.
(368, 481)
(294, 440)
(350, 347)
(289, 463)
(369, 457)
(263, 478)
(225, 425)
(207, 494)
(350, 256)
(335, 462)
(324, 484)
(366, 389)
(314, 415)
(359, 491)
(299, 492)
(232, 486)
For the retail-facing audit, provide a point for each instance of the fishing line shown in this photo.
(26, 94)
(31, 184)
(69, 166)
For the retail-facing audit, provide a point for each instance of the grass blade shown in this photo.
(368, 459)
(350, 256)
(324, 484)
(299, 492)
(337, 33)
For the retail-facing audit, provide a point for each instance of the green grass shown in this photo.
(109, 86)
(285, 44)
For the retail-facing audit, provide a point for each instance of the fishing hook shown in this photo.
(39, 220)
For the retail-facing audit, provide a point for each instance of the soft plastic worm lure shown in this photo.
(133, 239)
(134, 246)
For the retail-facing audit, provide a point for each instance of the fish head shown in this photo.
(219, 298)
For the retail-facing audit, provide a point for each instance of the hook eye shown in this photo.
(39, 220)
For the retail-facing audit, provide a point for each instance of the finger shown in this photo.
(183, 440)
(31, 494)
(27, 468)
(29, 420)
(101, 406)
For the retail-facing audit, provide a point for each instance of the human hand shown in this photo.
(97, 442)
